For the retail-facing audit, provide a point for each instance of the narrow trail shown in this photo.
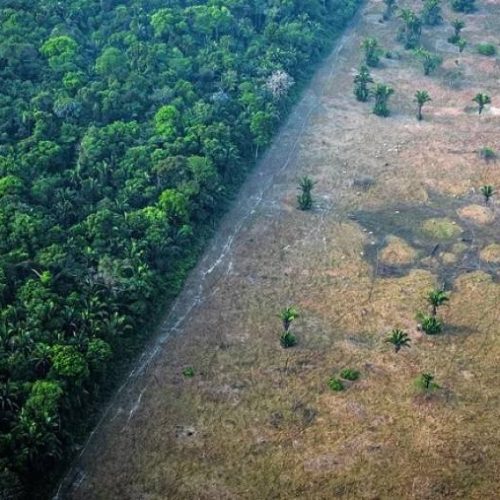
(216, 262)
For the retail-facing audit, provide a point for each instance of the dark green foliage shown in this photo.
(431, 12)
(372, 52)
(486, 49)
(349, 374)
(398, 338)
(335, 384)
(304, 199)
(382, 93)
(431, 325)
(188, 372)
(411, 30)
(481, 100)
(124, 128)
(425, 382)
(437, 298)
(288, 339)
(361, 82)
(458, 26)
(488, 154)
(487, 191)
(466, 6)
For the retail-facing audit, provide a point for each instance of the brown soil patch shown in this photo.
(477, 213)
(397, 252)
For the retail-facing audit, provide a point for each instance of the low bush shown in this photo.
(335, 384)
(349, 374)
(486, 49)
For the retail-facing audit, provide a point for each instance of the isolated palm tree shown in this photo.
(481, 100)
(361, 81)
(488, 192)
(421, 98)
(398, 339)
(287, 315)
(372, 50)
(304, 199)
(437, 298)
(382, 93)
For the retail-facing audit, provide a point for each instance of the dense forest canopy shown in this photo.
(124, 125)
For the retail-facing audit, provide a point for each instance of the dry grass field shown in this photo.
(397, 212)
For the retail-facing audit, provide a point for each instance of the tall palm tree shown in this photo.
(287, 315)
(398, 339)
(421, 97)
(488, 192)
(361, 81)
(481, 100)
(437, 298)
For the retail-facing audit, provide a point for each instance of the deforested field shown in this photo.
(218, 409)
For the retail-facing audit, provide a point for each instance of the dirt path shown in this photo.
(257, 421)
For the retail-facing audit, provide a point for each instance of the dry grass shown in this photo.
(259, 422)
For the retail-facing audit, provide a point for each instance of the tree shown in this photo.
(487, 192)
(421, 97)
(304, 199)
(466, 6)
(437, 298)
(431, 325)
(431, 12)
(429, 60)
(461, 45)
(426, 382)
(288, 315)
(412, 29)
(361, 81)
(482, 100)
(382, 93)
(458, 25)
(372, 51)
(399, 339)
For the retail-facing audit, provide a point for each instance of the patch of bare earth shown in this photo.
(257, 421)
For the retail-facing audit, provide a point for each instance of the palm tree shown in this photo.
(372, 50)
(361, 81)
(304, 199)
(437, 298)
(481, 100)
(421, 97)
(488, 192)
(431, 325)
(398, 339)
(458, 26)
(382, 93)
(287, 315)
(412, 30)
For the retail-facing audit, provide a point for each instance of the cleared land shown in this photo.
(398, 211)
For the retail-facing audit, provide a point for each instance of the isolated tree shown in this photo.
(487, 192)
(437, 298)
(482, 100)
(458, 25)
(398, 338)
(372, 51)
(466, 6)
(431, 12)
(361, 81)
(412, 30)
(304, 199)
(382, 93)
(461, 44)
(429, 60)
(421, 97)
(288, 315)
(390, 7)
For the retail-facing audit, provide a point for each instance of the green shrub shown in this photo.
(349, 374)
(466, 6)
(425, 382)
(431, 325)
(288, 339)
(488, 154)
(486, 49)
(335, 384)
(188, 372)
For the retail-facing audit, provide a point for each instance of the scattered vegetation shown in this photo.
(430, 61)
(486, 49)
(458, 26)
(437, 298)
(382, 93)
(431, 12)
(288, 315)
(481, 100)
(411, 31)
(421, 97)
(188, 372)
(287, 339)
(335, 384)
(361, 82)
(431, 325)
(304, 199)
(461, 44)
(349, 374)
(425, 382)
(372, 52)
(399, 339)
(487, 191)
(488, 154)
